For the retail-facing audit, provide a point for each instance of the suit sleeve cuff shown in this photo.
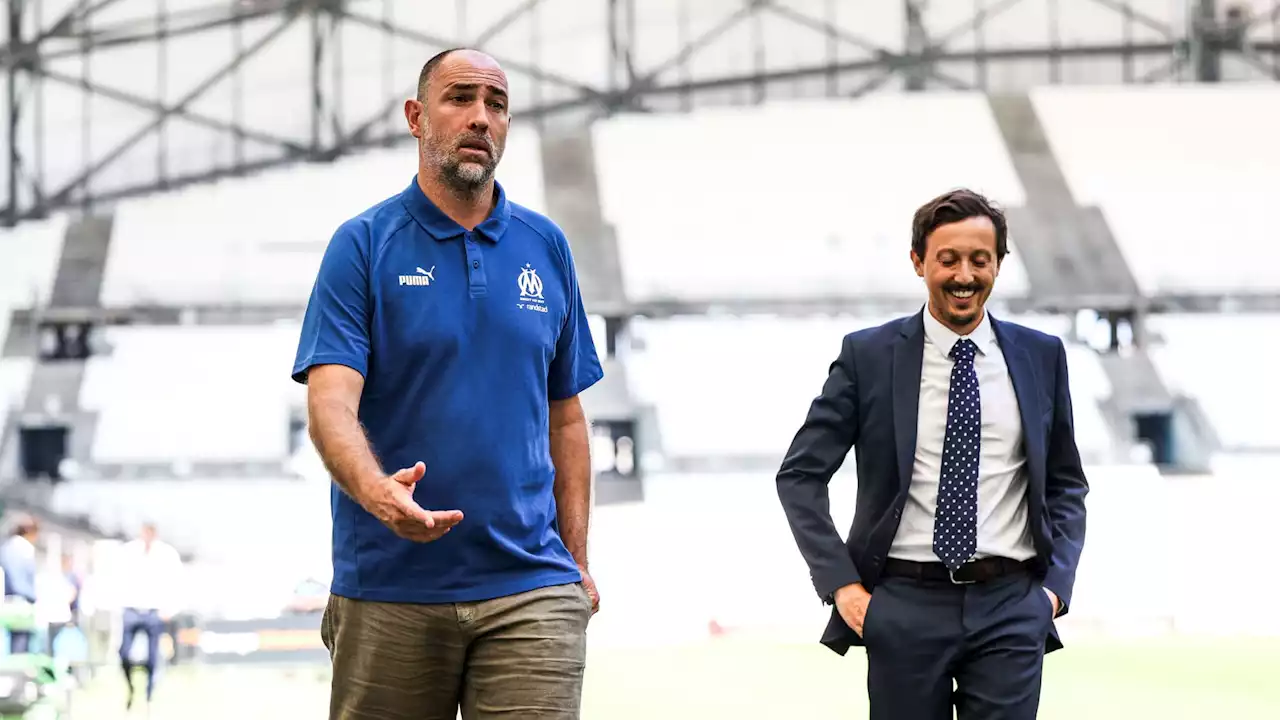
(828, 583)
(1061, 590)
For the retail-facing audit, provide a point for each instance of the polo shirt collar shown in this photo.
(442, 227)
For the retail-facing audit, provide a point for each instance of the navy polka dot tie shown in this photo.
(955, 529)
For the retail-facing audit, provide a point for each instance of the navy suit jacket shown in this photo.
(869, 403)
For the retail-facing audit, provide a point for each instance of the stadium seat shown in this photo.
(30, 255)
(793, 200)
(259, 240)
(15, 375)
(733, 386)
(1238, 391)
(199, 393)
(742, 386)
(1185, 176)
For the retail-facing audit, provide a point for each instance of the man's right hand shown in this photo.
(851, 602)
(390, 499)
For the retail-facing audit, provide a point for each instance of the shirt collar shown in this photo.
(944, 338)
(442, 227)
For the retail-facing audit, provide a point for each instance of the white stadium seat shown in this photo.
(742, 386)
(794, 200)
(1185, 176)
(193, 393)
(259, 240)
(1238, 389)
(15, 375)
(28, 265)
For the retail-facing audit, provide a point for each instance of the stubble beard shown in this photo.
(465, 178)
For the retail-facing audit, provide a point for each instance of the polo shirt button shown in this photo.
(475, 264)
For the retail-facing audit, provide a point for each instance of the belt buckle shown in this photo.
(951, 574)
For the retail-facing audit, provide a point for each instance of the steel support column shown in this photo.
(1206, 48)
(915, 40)
(314, 15)
(13, 117)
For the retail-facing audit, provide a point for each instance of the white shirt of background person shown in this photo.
(149, 578)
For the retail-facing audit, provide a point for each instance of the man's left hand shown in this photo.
(590, 585)
(1054, 600)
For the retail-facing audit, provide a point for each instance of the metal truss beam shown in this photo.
(1153, 49)
(63, 195)
(167, 111)
(68, 35)
(1125, 9)
(880, 53)
(487, 35)
(926, 58)
(441, 42)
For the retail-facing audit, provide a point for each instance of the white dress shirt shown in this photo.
(1003, 529)
(149, 578)
(54, 595)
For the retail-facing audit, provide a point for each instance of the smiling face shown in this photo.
(959, 267)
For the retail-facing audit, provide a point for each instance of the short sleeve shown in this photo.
(335, 328)
(575, 366)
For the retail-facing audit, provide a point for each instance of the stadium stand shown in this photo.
(258, 241)
(741, 386)
(211, 377)
(28, 261)
(1185, 176)
(793, 200)
(1239, 393)
(725, 386)
(211, 514)
(15, 374)
(719, 385)
(29, 257)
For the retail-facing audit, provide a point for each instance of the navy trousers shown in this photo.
(145, 621)
(933, 646)
(19, 642)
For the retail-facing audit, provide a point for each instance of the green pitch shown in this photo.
(1157, 679)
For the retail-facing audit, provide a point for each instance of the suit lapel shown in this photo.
(1027, 390)
(908, 355)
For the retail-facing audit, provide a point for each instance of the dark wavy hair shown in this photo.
(954, 206)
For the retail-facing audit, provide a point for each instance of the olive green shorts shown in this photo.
(520, 656)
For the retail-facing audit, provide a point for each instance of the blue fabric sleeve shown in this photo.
(575, 366)
(19, 573)
(335, 328)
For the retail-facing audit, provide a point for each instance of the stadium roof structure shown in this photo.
(108, 99)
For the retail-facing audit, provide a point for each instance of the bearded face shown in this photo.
(464, 160)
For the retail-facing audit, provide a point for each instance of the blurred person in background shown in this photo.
(96, 611)
(18, 560)
(970, 515)
(444, 346)
(57, 594)
(149, 577)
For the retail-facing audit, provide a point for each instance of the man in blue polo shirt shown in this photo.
(444, 347)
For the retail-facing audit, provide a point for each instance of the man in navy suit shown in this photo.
(970, 515)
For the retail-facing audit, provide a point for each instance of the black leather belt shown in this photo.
(975, 571)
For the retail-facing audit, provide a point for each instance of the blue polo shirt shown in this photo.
(462, 338)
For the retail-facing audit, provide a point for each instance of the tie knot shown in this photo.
(964, 350)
